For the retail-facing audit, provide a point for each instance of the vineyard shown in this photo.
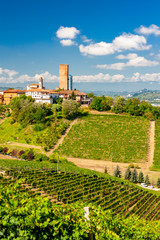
(156, 163)
(39, 202)
(95, 137)
(67, 187)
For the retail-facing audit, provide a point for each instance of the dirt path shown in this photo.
(62, 138)
(99, 165)
(151, 144)
(24, 145)
(6, 157)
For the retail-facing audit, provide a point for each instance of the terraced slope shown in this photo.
(96, 136)
(67, 187)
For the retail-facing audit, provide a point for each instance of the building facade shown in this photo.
(42, 95)
(11, 93)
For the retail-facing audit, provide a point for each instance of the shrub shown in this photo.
(38, 127)
(53, 158)
(149, 116)
(40, 157)
(20, 153)
(69, 109)
(14, 152)
(30, 156)
(5, 150)
(131, 165)
(1, 149)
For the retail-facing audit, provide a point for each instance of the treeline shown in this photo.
(26, 111)
(132, 106)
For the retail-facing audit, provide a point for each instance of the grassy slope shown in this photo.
(156, 163)
(15, 132)
(95, 137)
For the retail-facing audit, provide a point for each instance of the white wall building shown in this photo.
(42, 96)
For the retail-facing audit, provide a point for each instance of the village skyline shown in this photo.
(105, 45)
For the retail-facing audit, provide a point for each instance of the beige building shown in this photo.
(11, 93)
(63, 76)
(35, 85)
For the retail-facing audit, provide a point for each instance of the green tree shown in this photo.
(90, 95)
(127, 174)
(119, 104)
(72, 96)
(96, 103)
(141, 177)
(102, 103)
(146, 180)
(117, 172)
(158, 183)
(134, 176)
(69, 109)
(132, 107)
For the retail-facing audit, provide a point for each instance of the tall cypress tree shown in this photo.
(147, 181)
(141, 177)
(127, 174)
(134, 176)
(117, 172)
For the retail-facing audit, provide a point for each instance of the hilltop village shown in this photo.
(49, 96)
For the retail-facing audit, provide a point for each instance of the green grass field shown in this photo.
(97, 136)
(156, 163)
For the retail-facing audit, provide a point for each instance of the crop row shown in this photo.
(69, 187)
(96, 137)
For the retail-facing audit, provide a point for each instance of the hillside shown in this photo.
(31, 194)
(97, 136)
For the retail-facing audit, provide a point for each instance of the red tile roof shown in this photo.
(14, 91)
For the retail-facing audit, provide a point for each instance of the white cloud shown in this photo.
(67, 42)
(150, 77)
(115, 66)
(67, 32)
(11, 76)
(152, 29)
(134, 61)
(128, 56)
(85, 39)
(8, 72)
(130, 42)
(97, 49)
(123, 42)
(100, 77)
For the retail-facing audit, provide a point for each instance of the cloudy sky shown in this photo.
(102, 41)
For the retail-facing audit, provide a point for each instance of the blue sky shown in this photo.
(102, 41)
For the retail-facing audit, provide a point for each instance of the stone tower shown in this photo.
(63, 76)
(41, 83)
